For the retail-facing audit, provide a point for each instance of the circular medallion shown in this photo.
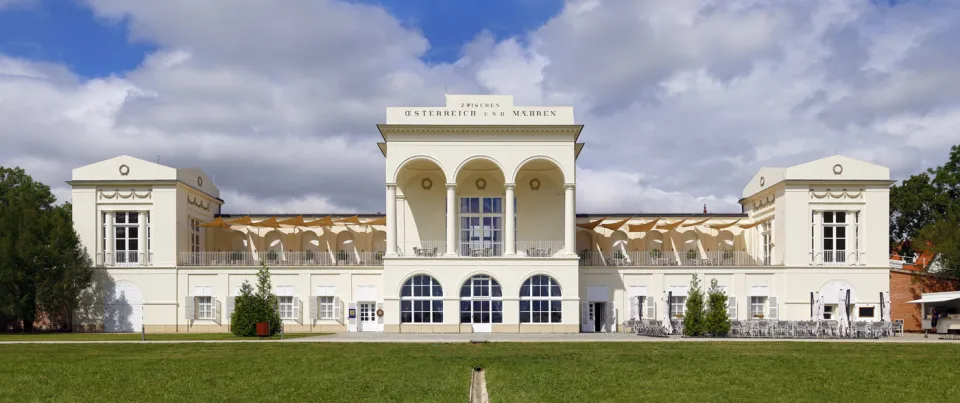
(762, 181)
(837, 169)
(124, 170)
(199, 181)
(379, 312)
(534, 184)
(426, 183)
(481, 184)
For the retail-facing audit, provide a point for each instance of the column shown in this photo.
(451, 219)
(391, 220)
(570, 219)
(108, 242)
(511, 222)
(142, 239)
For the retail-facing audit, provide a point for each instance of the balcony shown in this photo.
(837, 258)
(284, 259)
(657, 258)
(539, 249)
(124, 259)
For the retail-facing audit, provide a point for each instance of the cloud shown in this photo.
(683, 100)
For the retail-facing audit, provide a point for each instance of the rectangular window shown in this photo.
(757, 306)
(481, 226)
(865, 312)
(326, 308)
(286, 307)
(126, 237)
(678, 305)
(194, 235)
(204, 307)
(834, 236)
(828, 312)
(766, 242)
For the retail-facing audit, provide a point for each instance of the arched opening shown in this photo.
(421, 207)
(481, 210)
(726, 251)
(689, 248)
(540, 300)
(481, 302)
(540, 205)
(273, 246)
(123, 309)
(346, 248)
(421, 300)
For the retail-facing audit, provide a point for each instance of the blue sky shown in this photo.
(68, 32)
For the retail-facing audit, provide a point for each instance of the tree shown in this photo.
(717, 322)
(924, 210)
(251, 307)
(43, 267)
(693, 317)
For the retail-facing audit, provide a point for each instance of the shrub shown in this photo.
(251, 307)
(693, 318)
(717, 321)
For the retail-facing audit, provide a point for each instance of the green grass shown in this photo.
(136, 336)
(516, 372)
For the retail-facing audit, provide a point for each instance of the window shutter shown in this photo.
(215, 310)
(189, 308)
(296, 310)
(337, 314)
(585, 317)
(774, 308)
(230, 306)
(732, 307)
(612, 314)
(633, 302)
(314, 301)
(380, 318)
(651, 309)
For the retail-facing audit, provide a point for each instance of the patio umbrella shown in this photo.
(842, 311)
(882, 318)
(886, 307)
(666, 314)
(811, 305)
(847, 301)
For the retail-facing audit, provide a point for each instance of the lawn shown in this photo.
(516, 372)
(136, 336)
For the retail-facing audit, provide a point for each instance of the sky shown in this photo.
(682, 101)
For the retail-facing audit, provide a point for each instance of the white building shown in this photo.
(480, 234)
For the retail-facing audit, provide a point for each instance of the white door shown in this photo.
(482, 316)
(587, 317)
(368, 316)
(123, 311)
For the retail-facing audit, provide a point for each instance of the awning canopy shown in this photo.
(722, 226)
(320, 222)
(590, 225)
(615, 225)
(350, 220)
(377, 221)
(643, 227)
(672, 225)
(268, 223)
(694, 224)
(216, 223)
(936, 298)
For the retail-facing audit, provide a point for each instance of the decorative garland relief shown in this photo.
(195, 201)
(132, 194)
(844, 194)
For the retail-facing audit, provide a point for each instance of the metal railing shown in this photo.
(278, 258)
(836, 258)
(539, 248)
(422, 248)
(481, 248)
(669, 258)
(124, 259)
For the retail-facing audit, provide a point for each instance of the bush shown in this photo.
(717, 322)
(250, 308)
(693, 318)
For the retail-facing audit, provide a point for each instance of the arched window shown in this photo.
(481, 300)
(540, 300)
(421, 300)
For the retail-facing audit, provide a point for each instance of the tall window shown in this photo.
(286, 303)
(326, 307)
(678, 305)
(204, 297)
(481, 300)
(834, 236)
(481, 226)
(286, 307)
(540, 300)
(757, 305)
(126, 238)
(194, 235)
(421, 300)
(766, 241)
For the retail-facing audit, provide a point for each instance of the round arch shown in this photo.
(465, 162)
(421, 299)
(123, 308)
(481, 302)
(415, 158)
(830, 291)
(563, 173)
(541, 299)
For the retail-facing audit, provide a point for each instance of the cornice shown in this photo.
(422, 129)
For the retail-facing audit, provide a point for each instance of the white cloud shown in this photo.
(683, 100)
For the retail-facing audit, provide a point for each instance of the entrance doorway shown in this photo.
(597, 310)
(368, 316)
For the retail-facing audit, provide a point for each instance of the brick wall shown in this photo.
(907, 285)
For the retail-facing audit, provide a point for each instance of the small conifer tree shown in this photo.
(251, 307)
(693, 317)
(717, 322)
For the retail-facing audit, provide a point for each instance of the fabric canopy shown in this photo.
(349, 220)
(615, 225)
(297, 221)
(643, 227)
(694, 224)
(245, 220)
(377, 221)
(944, 297)
(754, 224)
(672, 225)
(217, 223)
(320, 222)
(590, 225)
(268, 223)
(722, 226)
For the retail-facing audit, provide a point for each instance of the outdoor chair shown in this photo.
(735, 329)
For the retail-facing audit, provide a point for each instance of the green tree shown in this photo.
(717, 322)
(251, 307)
(924, 210)
(43, 267)
(693, 316)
